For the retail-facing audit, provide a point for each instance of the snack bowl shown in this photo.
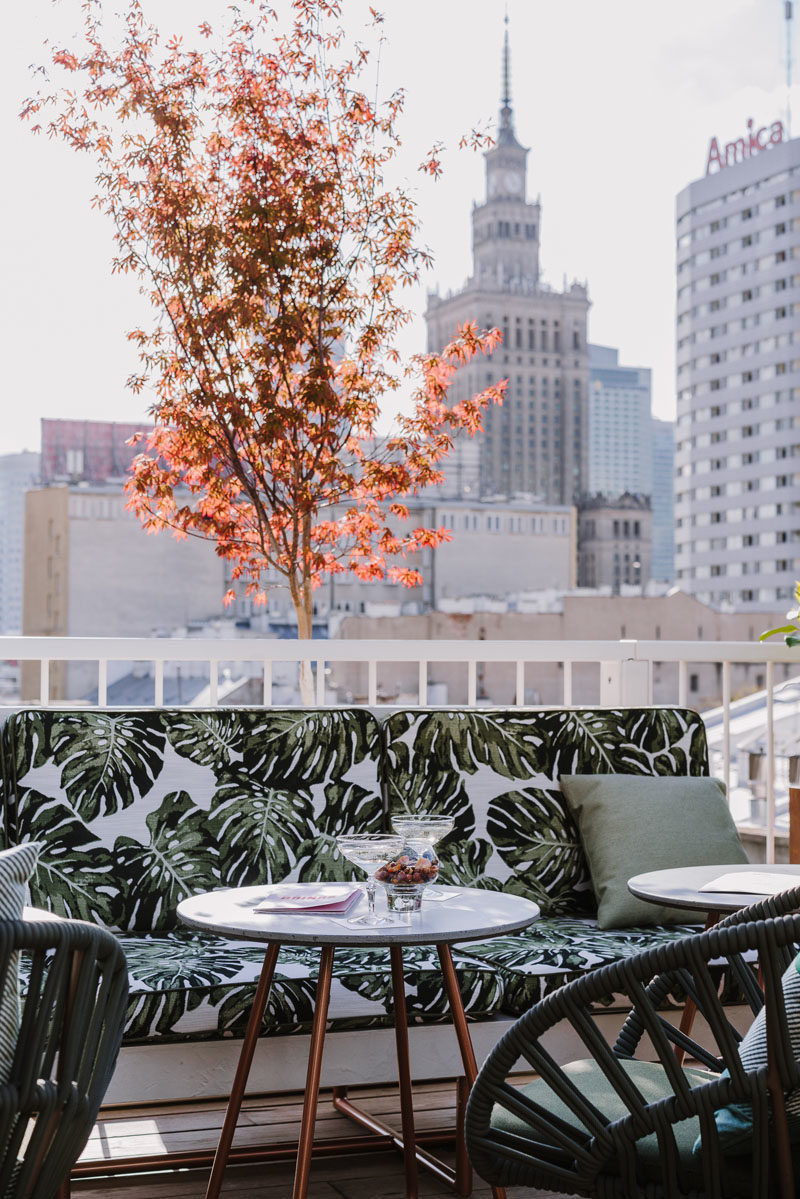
(406, 875)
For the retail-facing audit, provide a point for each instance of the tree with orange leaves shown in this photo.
(247, 185)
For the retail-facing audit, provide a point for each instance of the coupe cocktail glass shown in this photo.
(429, 827)
(368, 851)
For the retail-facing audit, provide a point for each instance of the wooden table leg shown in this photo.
(404, 1071)
(690, 1007)
(462, 1032)
(242, 1071)
(313, 1073)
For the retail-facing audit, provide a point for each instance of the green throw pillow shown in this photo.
(16, 867)
(632, 823)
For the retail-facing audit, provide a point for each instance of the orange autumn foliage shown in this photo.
(247, 185)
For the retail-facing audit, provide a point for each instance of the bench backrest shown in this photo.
(137, 809)
(497, 772)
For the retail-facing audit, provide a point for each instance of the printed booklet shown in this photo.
(310, 899)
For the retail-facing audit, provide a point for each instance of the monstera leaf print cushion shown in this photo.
(136, 809)
(496, 771)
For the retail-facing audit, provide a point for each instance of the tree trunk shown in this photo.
(303, 609)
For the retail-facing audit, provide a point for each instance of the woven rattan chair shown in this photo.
(623, 1120)
(69, 1036)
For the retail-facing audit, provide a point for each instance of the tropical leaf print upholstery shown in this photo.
(556, 949)
(135, 810)
(188, 985)
(497, 773)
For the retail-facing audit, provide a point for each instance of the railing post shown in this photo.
(267, 695)
(520, 684)
(422, 683)
(625, 684)
(102, 682)
(472, 683)
(320, 683)
(567, 684)
(44, 681)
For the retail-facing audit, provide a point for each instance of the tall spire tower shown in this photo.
(505, 132)
(505, 227)
(535, 444)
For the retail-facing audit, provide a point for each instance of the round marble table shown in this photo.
(468, 915)
(680, 887)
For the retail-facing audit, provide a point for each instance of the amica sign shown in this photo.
(743, 147)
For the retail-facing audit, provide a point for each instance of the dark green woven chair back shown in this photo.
(69, 1036)
(624, 1120)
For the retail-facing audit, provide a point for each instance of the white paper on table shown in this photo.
(752, 882)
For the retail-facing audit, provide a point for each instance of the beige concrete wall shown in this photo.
(91, 570)
(45, 592)
(676, 617)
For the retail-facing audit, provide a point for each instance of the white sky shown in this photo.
(617, 100)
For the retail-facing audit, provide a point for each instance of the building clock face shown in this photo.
(506, 183)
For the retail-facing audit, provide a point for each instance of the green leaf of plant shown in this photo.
(180, 859)
(785, 628)
(107, 759)
(290, 1007)
(538, 840)
(298, 748)
(214, 738)
(76, 876)
(347, 808)
(260, 830)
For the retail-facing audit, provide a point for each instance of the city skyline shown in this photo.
(618, 106)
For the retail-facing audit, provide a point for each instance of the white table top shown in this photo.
(680, 887)
(468, 916)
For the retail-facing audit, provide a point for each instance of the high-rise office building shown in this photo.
(737, 483)
(663, 500)
(620, 453)
(537, 441)
(18, 472)
(92, 451)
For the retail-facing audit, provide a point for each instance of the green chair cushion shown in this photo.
(652, 1082)
(496, 771)
(629, 825)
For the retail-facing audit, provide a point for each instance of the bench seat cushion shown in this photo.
(190, 985)
(556, 949)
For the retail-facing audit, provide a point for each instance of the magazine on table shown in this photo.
(310, 899)
(751, 882)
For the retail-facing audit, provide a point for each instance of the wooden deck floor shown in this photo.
(270, 1121)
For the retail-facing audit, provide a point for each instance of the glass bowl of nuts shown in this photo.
(406, 875)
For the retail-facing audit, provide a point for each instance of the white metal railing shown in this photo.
(626, 668)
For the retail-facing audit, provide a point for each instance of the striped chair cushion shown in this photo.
(16, 867)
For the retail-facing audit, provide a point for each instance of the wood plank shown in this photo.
(270, 1120)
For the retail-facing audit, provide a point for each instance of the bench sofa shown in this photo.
(136, 809)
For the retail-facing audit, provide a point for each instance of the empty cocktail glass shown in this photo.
(368, 851)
